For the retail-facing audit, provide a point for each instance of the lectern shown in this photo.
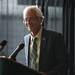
(10, 67)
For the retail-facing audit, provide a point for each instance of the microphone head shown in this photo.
(21, 46)
(2, 44)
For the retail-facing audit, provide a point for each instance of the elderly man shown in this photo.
(46, 54)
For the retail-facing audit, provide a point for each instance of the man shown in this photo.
(50, 45)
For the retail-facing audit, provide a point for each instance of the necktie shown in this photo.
(33, 56)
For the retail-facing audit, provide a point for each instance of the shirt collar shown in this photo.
(38, 35)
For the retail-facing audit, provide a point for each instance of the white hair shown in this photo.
(34, 8)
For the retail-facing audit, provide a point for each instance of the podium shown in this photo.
(10, 67)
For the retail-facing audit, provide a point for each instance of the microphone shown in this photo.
(2, 44)
(15, 52)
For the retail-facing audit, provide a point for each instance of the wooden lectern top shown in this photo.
(10, 67)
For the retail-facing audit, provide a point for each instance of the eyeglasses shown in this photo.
(31, 19)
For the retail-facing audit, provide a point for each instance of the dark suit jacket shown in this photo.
(52, 53)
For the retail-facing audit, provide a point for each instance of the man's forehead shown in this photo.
(32, 12)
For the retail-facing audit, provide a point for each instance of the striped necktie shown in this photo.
(33, 55)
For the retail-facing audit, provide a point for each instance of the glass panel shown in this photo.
(11, 27)
(55, 19)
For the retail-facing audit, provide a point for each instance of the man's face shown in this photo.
(32, 22)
